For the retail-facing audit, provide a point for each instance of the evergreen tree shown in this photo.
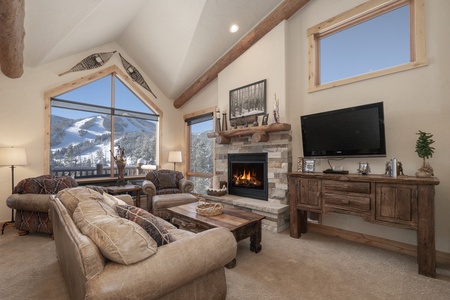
(99, 157)
(69, 156)
(423, 145)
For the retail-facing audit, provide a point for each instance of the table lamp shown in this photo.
(175, 156)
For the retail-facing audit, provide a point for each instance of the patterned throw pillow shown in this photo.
(147, 221)
(44, 184)
(32, 185)
(167, 181)
(54, 185)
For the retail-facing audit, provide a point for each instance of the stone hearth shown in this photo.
(279, 152)
(277, 215)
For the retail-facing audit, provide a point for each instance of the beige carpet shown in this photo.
(313, 267)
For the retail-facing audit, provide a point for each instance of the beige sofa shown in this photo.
(190, 266)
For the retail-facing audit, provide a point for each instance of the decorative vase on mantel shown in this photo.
(276, 110)
(224, 121)
(218, 129)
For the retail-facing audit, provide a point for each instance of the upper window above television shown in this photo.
(376, 38)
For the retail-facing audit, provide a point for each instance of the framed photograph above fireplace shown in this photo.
(248, 100)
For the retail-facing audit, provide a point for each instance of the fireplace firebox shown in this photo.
(247, 175)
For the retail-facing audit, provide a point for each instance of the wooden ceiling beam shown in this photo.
(283, 12)
(12, 33)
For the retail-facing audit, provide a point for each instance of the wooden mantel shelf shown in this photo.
(258, 133)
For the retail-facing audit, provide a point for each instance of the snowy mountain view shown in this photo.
(86, 142)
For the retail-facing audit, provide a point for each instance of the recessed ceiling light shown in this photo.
(234, 28)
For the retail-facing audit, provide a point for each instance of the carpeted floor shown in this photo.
(313, 267)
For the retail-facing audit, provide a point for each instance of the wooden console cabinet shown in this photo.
(405, 202)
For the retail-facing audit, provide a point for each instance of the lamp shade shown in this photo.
(13, 156)
(175, 156)
(148, 167)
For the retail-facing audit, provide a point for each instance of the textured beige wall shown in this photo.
(413, 100)
(22, 116)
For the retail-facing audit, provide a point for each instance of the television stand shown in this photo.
(403, 202)
(331, 171)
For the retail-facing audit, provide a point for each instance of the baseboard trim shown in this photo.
(441, 257)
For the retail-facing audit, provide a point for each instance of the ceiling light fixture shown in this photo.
(234, 28)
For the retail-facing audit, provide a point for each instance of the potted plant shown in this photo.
(425, 151)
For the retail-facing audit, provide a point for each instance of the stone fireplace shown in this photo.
(278, 149)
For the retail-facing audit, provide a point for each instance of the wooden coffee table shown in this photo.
(241, 223)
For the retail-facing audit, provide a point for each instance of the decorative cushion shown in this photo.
(147, 221)
(167, 180)
(54, 185)
(153, 176)
(34, 185)
(118, 239)
(37, 185)
(71, 197)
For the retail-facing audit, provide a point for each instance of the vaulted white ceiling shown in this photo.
(172, 41)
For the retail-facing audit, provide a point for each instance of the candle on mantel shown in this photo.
(224, 120)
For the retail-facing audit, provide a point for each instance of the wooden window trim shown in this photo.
(187, 134)
(358, 15)
(74, 84)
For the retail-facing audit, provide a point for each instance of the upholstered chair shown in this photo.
(164, 182)
(31, 200)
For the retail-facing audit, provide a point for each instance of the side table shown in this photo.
(116, 190)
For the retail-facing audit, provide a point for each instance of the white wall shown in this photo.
(22, 115)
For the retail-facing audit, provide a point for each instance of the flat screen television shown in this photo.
(350, 132)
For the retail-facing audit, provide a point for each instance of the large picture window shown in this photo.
(90, 122)
(371, 40)
(200, 165)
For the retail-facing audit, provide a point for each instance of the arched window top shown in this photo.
(89, 118)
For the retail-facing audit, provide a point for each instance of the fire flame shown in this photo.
(247, 178)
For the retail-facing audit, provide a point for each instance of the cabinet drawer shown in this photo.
(343, 186)
(347, 202)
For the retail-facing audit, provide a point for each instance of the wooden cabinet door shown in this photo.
(309, 194)
(397, 204)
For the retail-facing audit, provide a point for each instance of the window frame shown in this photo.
(356, 16)
(77, 83)
(188, 142)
